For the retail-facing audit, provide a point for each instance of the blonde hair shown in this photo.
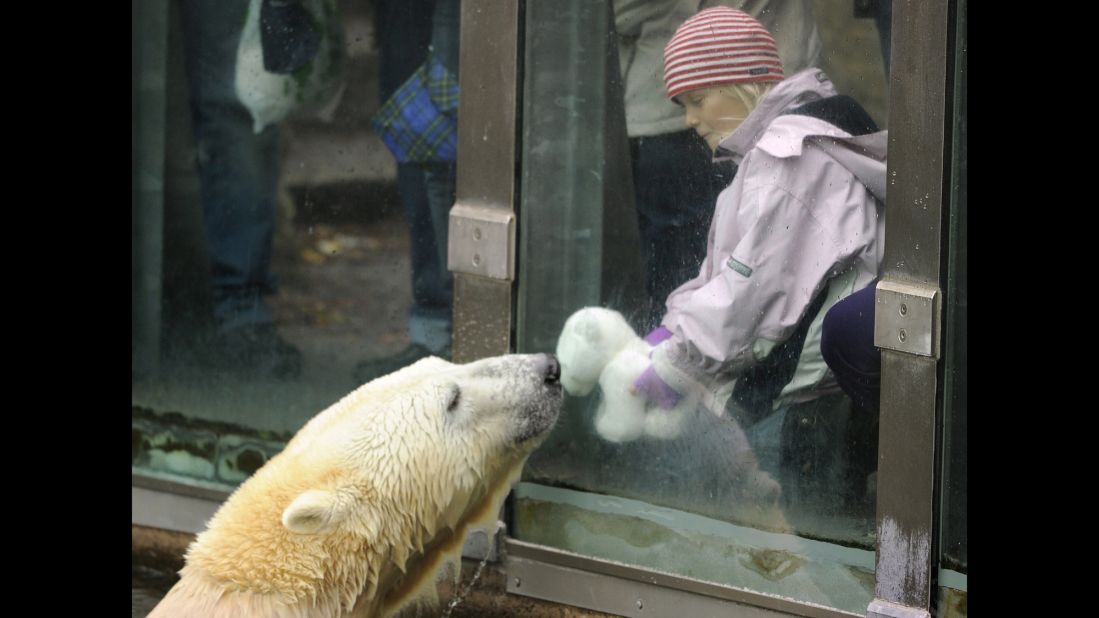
(750, 93)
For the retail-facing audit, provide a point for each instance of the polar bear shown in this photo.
(373, 495)
(597, 345)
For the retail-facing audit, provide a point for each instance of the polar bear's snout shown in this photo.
(540, 400)
(548, 366)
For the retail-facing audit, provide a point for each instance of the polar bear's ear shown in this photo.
(316, 511)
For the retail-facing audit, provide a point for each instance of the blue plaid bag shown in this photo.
(419, 122)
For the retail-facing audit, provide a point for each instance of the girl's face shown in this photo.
(713, 114)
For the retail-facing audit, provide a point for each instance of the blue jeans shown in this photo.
(427, 192)
(238, 169)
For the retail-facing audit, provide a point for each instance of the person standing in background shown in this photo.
(418, 121)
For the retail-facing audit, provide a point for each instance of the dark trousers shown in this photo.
(847, 344)
(408, 33)
(237, 167)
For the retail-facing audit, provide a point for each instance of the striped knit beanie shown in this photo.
(720, 46)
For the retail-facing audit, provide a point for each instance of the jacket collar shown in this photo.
(800, 88)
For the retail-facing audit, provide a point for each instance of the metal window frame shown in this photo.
(170, 505)
(954, 479)
(909, 426)
(158, 502)
(603, 585)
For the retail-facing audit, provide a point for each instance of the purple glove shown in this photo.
(655, 390)
(657, 335)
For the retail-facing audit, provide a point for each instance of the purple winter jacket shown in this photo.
(803, 214)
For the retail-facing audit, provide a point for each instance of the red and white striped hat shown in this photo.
(720, 46)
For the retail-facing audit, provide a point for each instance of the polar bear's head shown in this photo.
(431, 432)
(372, 494)
(590, 338)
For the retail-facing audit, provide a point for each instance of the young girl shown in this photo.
(799, 228)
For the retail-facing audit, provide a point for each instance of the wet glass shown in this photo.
(278, 245)
(775, 499)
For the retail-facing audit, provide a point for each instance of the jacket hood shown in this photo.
(780, 127)
(796, 90)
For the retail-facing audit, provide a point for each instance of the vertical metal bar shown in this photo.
(953, 547)
(918, 140)
(148, 86)
(918, 144)
(487, 114)
(482, 317)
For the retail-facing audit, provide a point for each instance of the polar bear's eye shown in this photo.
(455, 398)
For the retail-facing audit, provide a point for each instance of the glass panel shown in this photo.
(282, 255)
(772, 488)
(955, 538)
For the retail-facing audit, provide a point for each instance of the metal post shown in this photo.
(909, 301)
(481, 248)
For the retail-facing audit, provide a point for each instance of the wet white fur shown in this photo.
(371, 497)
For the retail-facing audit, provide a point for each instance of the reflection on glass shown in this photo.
(301, 253)
(769, 487)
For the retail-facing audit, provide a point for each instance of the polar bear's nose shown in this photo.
(547, 365)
